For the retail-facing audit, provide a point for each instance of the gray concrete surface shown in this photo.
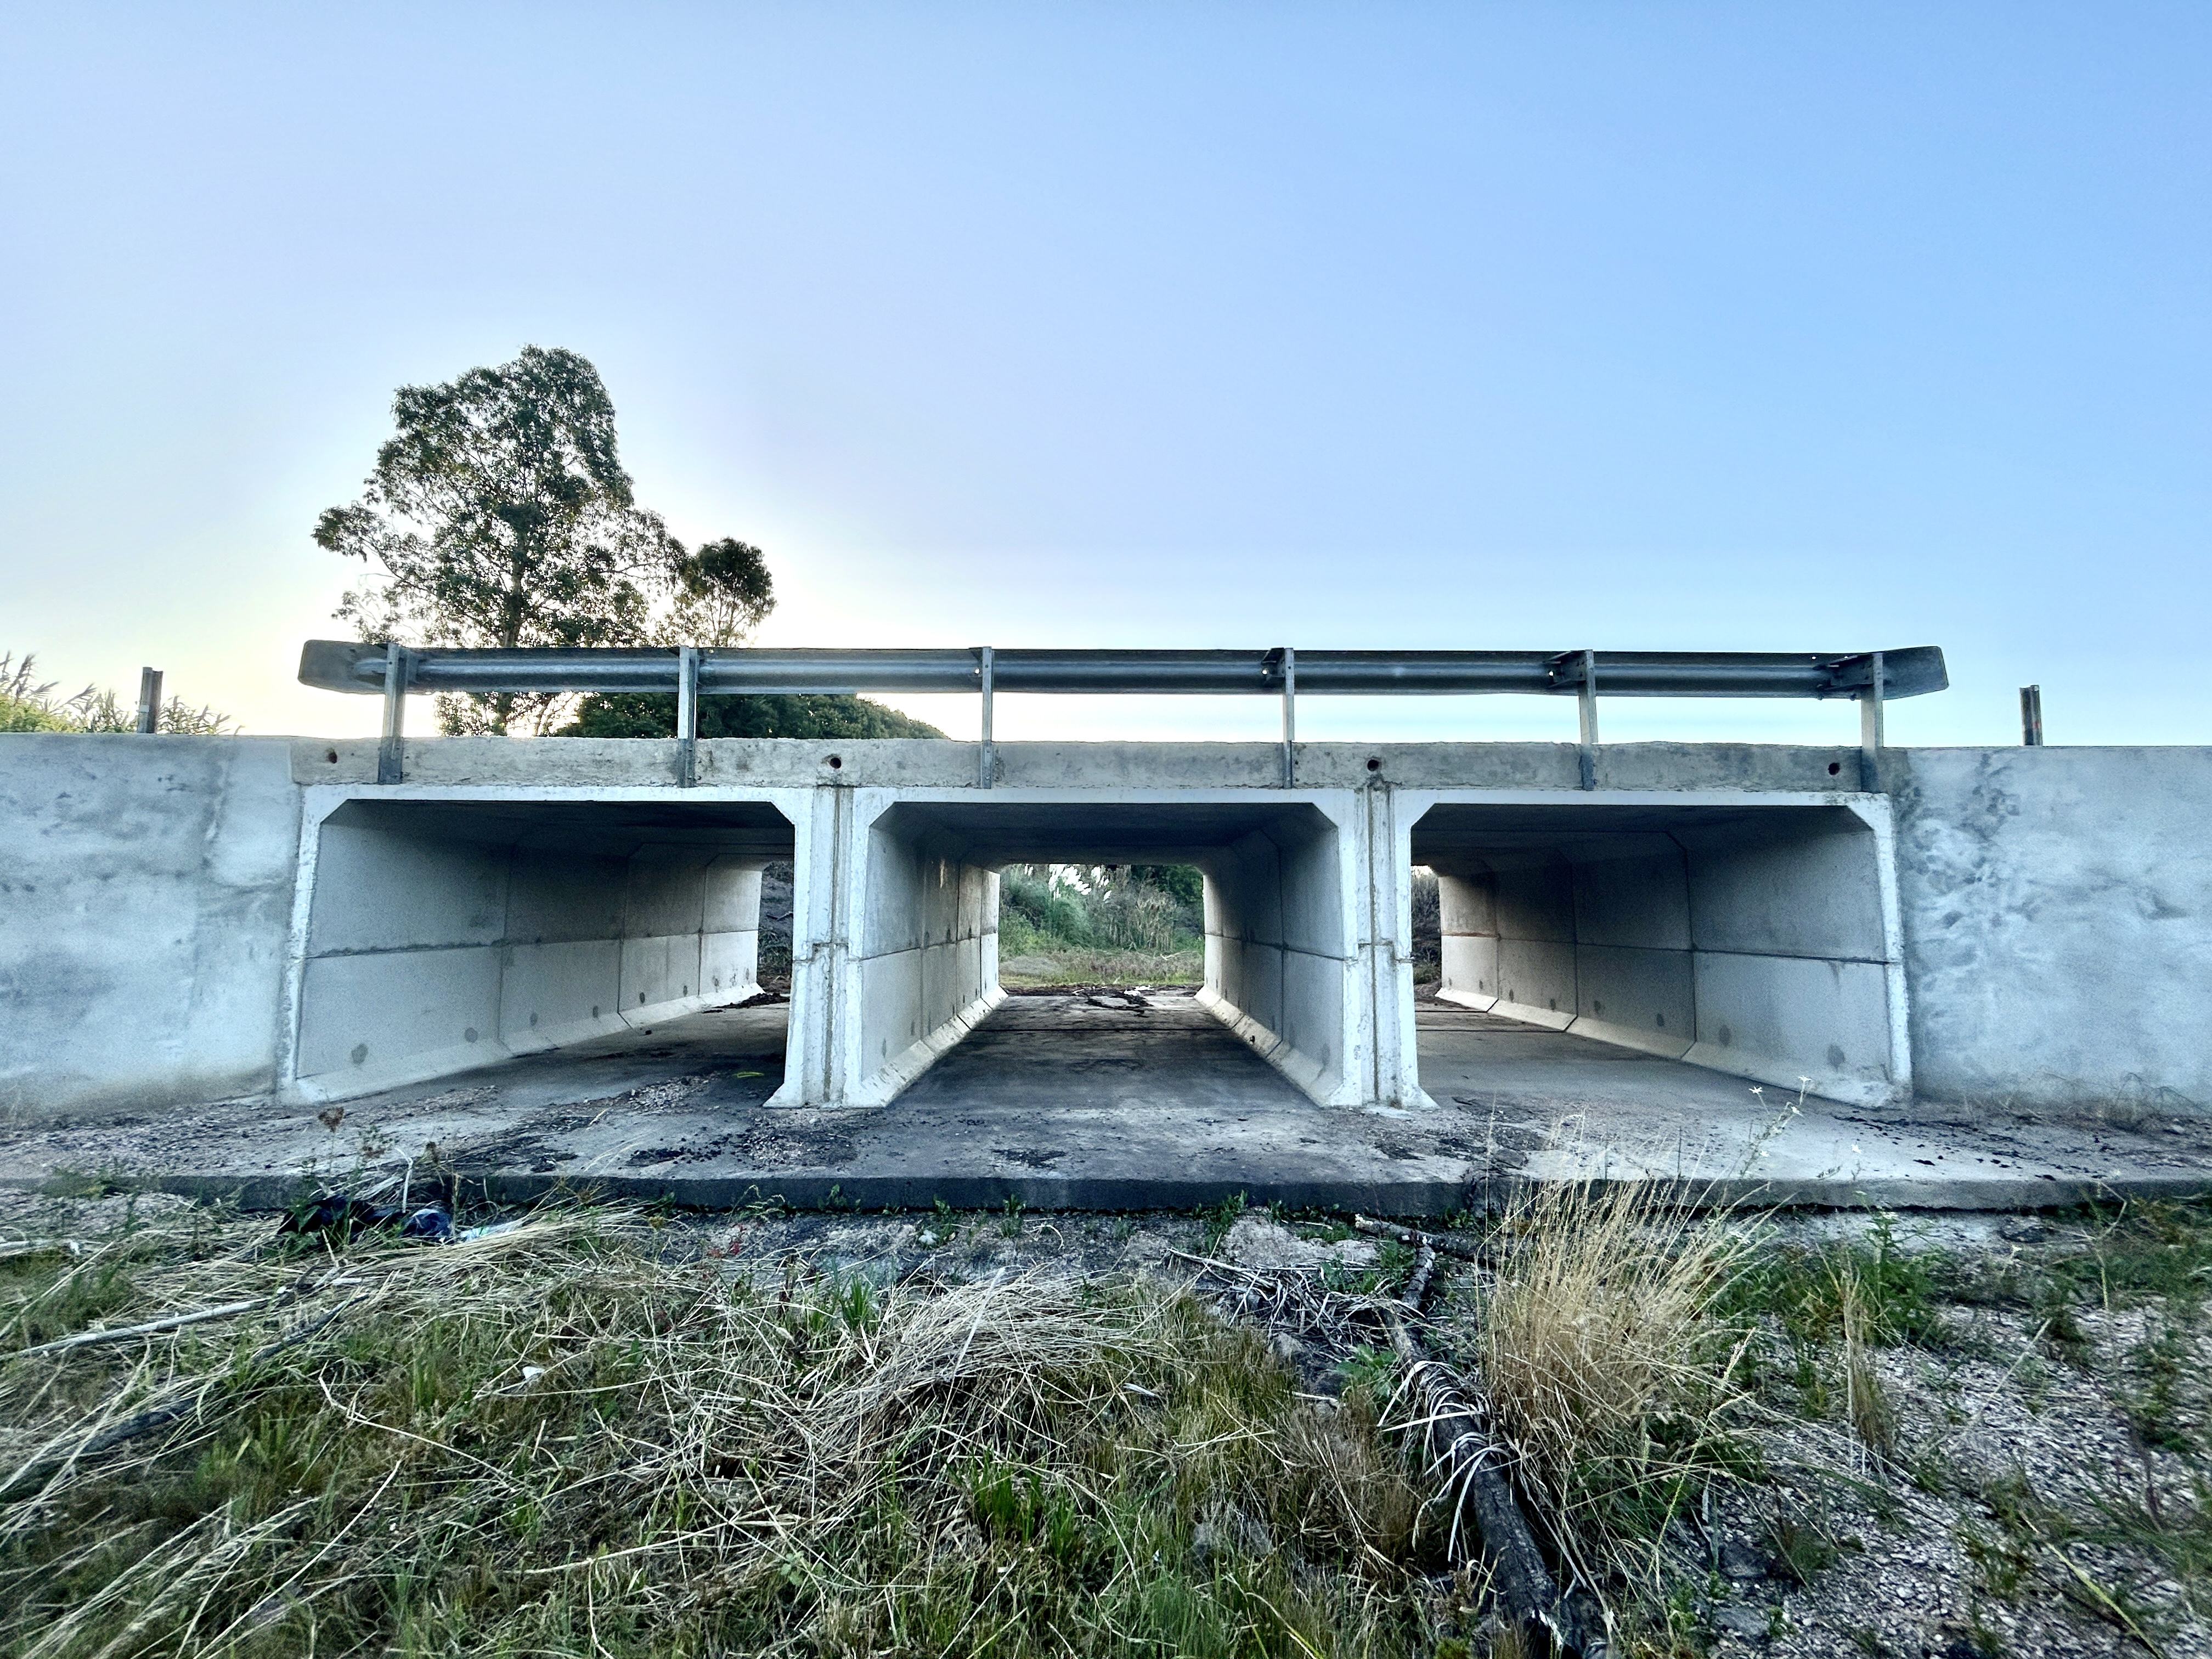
(1134, 1100)
(2003, 931)
(2058, 911)
(145, 890)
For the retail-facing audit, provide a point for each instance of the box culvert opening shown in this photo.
(447, 935)
(1278, 954)
(1749, 941)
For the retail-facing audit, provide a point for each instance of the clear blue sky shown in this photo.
(1767, 326)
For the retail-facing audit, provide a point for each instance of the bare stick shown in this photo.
(177, 1322)
(16, 1247)
(157, 1416)
(1443, 1241)
(152, 1327)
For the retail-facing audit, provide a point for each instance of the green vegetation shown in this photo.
(1610, 1364)
(499, 514)
(1100, 924)
(582, 1437)
(643, 714)
(28, 704)
(567, 1440)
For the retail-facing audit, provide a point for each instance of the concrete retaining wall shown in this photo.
(145, 884)
(2057, 917)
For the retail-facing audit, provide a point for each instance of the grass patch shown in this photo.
(1063, 964)
(566, 1440)
(2141, 1251)
(1609, 1371)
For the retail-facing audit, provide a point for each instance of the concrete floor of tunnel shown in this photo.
(1112, 1101)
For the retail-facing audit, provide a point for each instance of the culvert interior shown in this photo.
(1752, 941)
(442, 936)
(1280, 962)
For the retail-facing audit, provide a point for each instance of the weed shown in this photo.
(1010, 1221)
(2143, 1250)
(1367, 1374)
(1800, 1544)
(2002, 1562)
(1220, 1219)
(2157, 1368)
(1393, 1265)
(1867, 1403)
(1606, 1372)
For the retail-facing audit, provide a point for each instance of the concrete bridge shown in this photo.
(261, 919)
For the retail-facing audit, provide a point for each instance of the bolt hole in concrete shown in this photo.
(1659, 949)
(835, 762)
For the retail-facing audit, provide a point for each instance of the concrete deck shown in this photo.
(1116, 1101)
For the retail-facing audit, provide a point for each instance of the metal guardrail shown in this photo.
(1870, 677)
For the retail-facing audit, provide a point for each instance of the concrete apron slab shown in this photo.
(1115, 1101)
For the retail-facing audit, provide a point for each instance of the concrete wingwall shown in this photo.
(145, 887)
(2057, 916)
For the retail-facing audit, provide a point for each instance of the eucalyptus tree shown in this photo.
(499, 514)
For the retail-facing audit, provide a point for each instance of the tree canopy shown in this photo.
(498, 514)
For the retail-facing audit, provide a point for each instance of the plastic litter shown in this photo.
(336, 1215)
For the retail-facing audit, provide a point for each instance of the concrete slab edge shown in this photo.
(1430, 1198)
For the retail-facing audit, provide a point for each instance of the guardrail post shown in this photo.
(989, 762)
(687, 716)
(149, 702)
(1870, 725)
(1586, 700)
(390, 754)
(1290, 716)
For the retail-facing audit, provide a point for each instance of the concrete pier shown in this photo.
(194, 920)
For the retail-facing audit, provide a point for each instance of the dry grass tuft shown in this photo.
(1607, 1373)
(567, 1439)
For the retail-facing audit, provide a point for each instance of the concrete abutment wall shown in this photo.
(192, 919)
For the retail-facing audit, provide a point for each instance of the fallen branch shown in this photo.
(1454, 1431)
(1417, 1286)
(16, 1247)
(151, 1328)
(40, 1470)
(1444, 1243)
(1457, 1441)
(175, 1321)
